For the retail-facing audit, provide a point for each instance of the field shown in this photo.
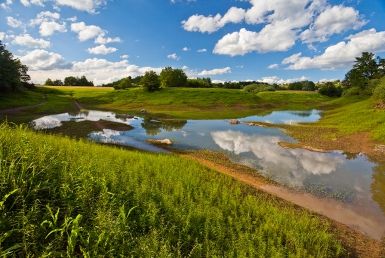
(61, 196)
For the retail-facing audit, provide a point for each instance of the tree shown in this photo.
(57, 82)
(48, 82)
(123, 84)
(366, 68)
(150, 81)
(173, 77)
(13, 74)
(70, 81)
(329, 89)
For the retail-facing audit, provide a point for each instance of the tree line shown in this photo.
(69, 81)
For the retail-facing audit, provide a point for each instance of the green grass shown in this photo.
(61, 197)
(22, 98)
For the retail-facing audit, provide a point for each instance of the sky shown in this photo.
(273, 41)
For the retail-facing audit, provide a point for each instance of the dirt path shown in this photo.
(78, 104)
(17, 109)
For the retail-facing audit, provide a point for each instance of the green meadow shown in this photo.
(62, 197)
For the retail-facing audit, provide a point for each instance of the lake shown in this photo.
(349, 179)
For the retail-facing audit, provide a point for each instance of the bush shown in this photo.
(379, 91)
(255, 88)
(150, 81)
(329, 89)
(352, 92)
(197, 83)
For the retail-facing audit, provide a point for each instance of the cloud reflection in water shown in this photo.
(289, 165)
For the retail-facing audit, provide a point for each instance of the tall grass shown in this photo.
(60, 197)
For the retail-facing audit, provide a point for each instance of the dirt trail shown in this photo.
(17, 109)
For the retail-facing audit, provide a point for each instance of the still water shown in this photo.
(345, 177)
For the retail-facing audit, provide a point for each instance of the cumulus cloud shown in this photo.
(173, 56)
(43, 60)
(211, 24)
(72, 19)
(2, 35)
(185, 49)
(283, 23)
(334, 20)
(216, 71)
(202, 50)
(86, 32)
(277, 80)
(49, 28)
(101, 50)
(35, 2)
(81, 5)
(342, 54)
(101, 40)
(14, 23)
(273, 66)
(27, 40)
(6, 5)
(44, 17)
(124, 56)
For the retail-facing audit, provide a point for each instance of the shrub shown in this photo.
(150, 81)
(255, 88)
(379, 91)
(352, 92)
(329, 89)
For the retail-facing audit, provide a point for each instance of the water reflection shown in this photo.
(286, 117)
(289, 166)
(378, 185)
(120, 138)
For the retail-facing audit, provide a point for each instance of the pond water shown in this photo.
(345, 177)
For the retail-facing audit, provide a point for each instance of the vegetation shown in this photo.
(170, 77)
(302, 85)
(255, 88)
(150, 81)
(366, 68)
(13, 74)
(329, 89)
(62, 197)
(70, 81)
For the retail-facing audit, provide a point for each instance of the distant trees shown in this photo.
(13, 74)
(123, 84)
(57, 82)
(150, 81)
(70, 81)
(329, 89)
(258, 87)
(302, 85)
(170, 77)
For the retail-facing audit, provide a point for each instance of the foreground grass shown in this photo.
(61, 197)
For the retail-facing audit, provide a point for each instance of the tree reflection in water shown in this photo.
(153, 126)
(378, 185)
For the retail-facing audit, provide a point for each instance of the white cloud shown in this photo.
(43, 60)
(27, 40)
(273, 66)
(173, 56)
(72, 19)
(2, 35)
(277, 80)
(6, 5)
(101, 50)
(283, 22)
(101, 40)
(44, 17)
(342, 54)
(216, 71)
(82, 5)
(211, 24)
(333, 20)
(48, 28)
(202, 50)
(86, 32)
(14, 23)
(185, 49)
(124, 56)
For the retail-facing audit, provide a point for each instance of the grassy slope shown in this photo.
(63, 197)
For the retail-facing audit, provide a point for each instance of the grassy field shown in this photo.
(61, 197)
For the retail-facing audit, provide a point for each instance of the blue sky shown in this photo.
(274, 41)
